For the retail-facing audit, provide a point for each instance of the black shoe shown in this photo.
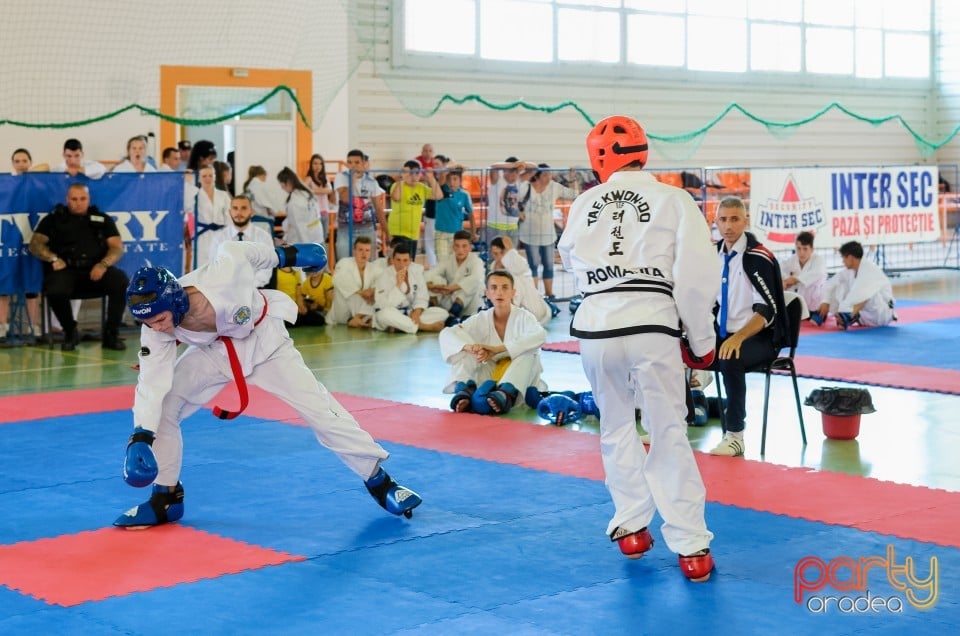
(114, 343)
(71, 338)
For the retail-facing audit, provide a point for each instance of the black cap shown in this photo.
(184, 145)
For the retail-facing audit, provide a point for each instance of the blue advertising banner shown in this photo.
(147, 209)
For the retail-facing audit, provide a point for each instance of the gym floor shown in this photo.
(277, 538)
(912, 439)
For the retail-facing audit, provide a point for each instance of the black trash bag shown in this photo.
(834, 400)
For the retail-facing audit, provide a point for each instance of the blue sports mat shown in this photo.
(923, 344)
(495, 548)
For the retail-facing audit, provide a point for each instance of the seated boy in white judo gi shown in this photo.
(495, 354)
(859, 294)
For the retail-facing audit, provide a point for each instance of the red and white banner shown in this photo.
(867, 204)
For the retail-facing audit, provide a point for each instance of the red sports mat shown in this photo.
(910, 512)
(94, 565)
(899, 376)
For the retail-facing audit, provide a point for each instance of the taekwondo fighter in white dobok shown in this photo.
(860, 293)
(642, 258)
(497, 349)
(234, 331)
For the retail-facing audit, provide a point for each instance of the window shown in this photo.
(439, 27)
(864, 39)
(716, 44)
(516, 30)
(869, 53)
(588, 36)
(774, 47)
(656, 40)
(829, 51)
(906, 55)
(781, 10)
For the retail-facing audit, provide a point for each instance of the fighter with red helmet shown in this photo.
(641, 255)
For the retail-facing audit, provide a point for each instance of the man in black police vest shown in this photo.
(81, 246)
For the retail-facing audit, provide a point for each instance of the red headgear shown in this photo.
(616, 142)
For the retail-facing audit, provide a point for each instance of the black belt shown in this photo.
(656, 287)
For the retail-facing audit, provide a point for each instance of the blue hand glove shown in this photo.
(309, 256)
(559, 409)
(587, 404)
(140, 466)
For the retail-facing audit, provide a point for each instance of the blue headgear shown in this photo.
(169, 295)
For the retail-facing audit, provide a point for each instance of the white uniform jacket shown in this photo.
(528, 296)
(866, 285)
(302, 223)
(523, 337)
(414, 296)
(347, 281)
(641, 254)
(811, 278)
(253, 233)
(227, 282)
(468, 275)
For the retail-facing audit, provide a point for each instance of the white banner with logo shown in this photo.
(867, 204)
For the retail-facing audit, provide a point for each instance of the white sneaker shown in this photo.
(730, 446)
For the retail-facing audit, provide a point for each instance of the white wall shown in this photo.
(478, 135)
(122, 47)
(947, 65)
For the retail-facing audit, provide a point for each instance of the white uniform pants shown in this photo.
(645, 371)
(269, 361)
(523, 372)
(428, 238)
(875, 313)
(390, 317)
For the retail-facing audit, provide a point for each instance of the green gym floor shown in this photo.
(913, 437)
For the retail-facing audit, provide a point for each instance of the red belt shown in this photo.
(237, 371)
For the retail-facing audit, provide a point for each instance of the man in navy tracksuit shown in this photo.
(751, 321)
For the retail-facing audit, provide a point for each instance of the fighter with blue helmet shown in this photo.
(234, 331)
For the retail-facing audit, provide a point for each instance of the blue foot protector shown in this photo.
(391, 496)
(502, 398)
(463, 393)
(162, 507)
(533, 395)
(479, 400)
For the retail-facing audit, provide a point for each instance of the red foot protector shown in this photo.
(97, 564)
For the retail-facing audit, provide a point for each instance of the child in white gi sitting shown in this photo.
(494, 354)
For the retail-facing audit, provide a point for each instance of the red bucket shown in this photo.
(841, 426)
